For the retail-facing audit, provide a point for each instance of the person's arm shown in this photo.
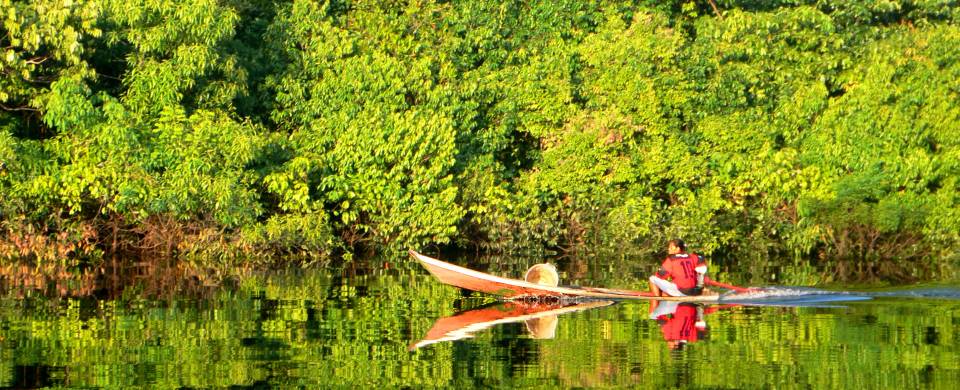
(701, 269)
(662, 272)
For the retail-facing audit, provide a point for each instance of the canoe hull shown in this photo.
(518, 289)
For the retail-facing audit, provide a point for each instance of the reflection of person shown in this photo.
(681, 323)
(681, 274)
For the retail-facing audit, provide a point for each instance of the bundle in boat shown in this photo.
(544, 274)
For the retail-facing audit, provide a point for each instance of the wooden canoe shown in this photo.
(518, 289)
(540, 319)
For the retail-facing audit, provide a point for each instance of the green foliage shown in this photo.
(177, 54)
(318, 129)
(883, 147)
(368, 144)
(42, 42)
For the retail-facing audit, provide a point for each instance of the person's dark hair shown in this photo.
(678, 243)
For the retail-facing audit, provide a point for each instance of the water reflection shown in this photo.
(682, 323)
(540, 318)
(116, 278)
(354, 328)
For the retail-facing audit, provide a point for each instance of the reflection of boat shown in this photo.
(513, 288)
(540, 319)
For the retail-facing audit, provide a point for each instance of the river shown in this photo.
(392, 325)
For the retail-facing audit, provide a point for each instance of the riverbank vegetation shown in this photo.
(241, 132)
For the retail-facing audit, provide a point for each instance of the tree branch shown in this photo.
(716, 10)
(21, 108)
(37, 60)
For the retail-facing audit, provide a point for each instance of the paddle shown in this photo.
(712, 282)
(616, 291)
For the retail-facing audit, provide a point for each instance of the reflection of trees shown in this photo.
(115, 278)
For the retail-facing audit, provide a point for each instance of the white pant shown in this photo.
(667, 287)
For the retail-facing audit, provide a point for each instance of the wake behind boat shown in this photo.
(519, 289)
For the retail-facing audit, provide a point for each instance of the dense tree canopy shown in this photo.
(823, 130)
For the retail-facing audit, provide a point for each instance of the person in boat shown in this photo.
(681, 274)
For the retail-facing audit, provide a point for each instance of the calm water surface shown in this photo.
(395, 326)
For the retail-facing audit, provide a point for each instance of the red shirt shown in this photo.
(680, 269)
